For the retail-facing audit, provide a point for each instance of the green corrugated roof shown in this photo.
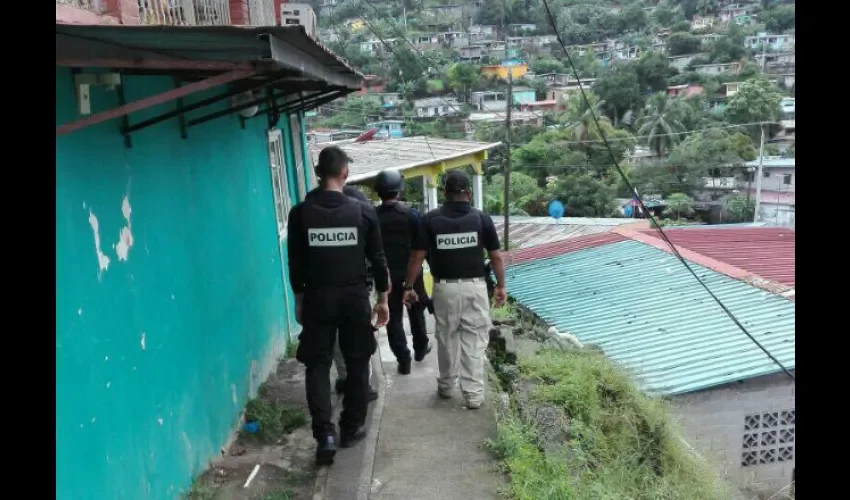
(648, 313)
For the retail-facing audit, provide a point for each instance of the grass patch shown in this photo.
(622, 445)
(504, 312)
(278, 495)
(200, 491)
(276, 419)
(291, 348)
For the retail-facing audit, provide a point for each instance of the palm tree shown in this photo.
(579, 116)
(659, 125)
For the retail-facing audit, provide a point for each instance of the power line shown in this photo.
(652, 219)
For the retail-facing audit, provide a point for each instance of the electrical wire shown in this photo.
(652, 219)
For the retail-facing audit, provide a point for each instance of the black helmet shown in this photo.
(389, 182)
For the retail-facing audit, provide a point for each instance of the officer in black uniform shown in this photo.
(454, 237)
(339, 359)
(329, 237)
(399, 225)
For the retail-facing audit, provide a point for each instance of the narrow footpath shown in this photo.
(419, 446)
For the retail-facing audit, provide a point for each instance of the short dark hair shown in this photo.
(332, 159)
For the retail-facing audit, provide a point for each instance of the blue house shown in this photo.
(179, 151)
(389, 129)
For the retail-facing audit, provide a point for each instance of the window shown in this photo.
(786, 179)
(769, 438)
(291, 21)
(280, 189)
(296, 12)
(295, 125)
(766, 174)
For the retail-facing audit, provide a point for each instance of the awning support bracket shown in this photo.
(125, 120)
(126, 108)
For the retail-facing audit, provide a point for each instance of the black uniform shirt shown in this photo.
(299, 274)
(456, 268)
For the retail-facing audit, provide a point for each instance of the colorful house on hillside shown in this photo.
(501, 71)
(179, 151)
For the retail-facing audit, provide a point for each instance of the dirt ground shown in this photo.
(287, 470)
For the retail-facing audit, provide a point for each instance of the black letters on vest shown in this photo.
(395, 233)
(336, 244)
(456, 250)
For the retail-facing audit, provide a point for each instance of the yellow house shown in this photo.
(501, 71)
(356, 24)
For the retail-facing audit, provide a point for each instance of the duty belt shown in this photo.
(461, 280)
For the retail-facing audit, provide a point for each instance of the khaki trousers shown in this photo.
(462, 315)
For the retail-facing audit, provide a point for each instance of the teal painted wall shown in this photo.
(157, 354)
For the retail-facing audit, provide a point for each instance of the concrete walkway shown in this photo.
(422, 447)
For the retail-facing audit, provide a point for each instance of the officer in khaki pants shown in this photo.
(454, 238)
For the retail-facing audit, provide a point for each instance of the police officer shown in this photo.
(329, 236)
(339, 359)
(454, 238)
(399, 225)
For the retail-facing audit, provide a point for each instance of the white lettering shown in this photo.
(332, 237)
(456, 241)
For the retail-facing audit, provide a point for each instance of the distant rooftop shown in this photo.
(370, 157)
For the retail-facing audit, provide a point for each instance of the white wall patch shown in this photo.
(102, 259)
(125, 236)
(332, 237)
(457, 240)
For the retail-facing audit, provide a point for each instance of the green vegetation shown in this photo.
(200, 491)
(704, 132)
(291, 348)
(621, 444)
(276, 419)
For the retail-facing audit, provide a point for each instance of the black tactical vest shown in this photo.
(395, 233)
(336, 244)
(456, 247)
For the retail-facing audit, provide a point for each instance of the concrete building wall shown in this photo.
(750, 423)
(171, 297)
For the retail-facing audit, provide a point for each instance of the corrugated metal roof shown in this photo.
(648, 313)
(193, 43)
(370, 157)
(532, 231)
(769, 252)
(770, 161)
(561, 247)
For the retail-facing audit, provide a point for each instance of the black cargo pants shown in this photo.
(415, 315)
(326, 311)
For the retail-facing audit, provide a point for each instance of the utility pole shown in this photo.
(507, 196)
(759, 176)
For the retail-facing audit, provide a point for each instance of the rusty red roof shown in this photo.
(562, 247)
(768, 252)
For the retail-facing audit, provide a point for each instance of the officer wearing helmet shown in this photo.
(399, 225)
(329, 237)
(339, 359)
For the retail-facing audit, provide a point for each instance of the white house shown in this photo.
(436, 106)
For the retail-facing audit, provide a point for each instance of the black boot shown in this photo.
(420, 355)
(347, 439)
(404, 367)
(340, 386)
(371, 395)
(326, 450)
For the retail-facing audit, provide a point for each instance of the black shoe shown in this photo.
(326, 451)
(340, 386)
(419, 356)
(404, 367)
(349, 439)
(371, 395)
